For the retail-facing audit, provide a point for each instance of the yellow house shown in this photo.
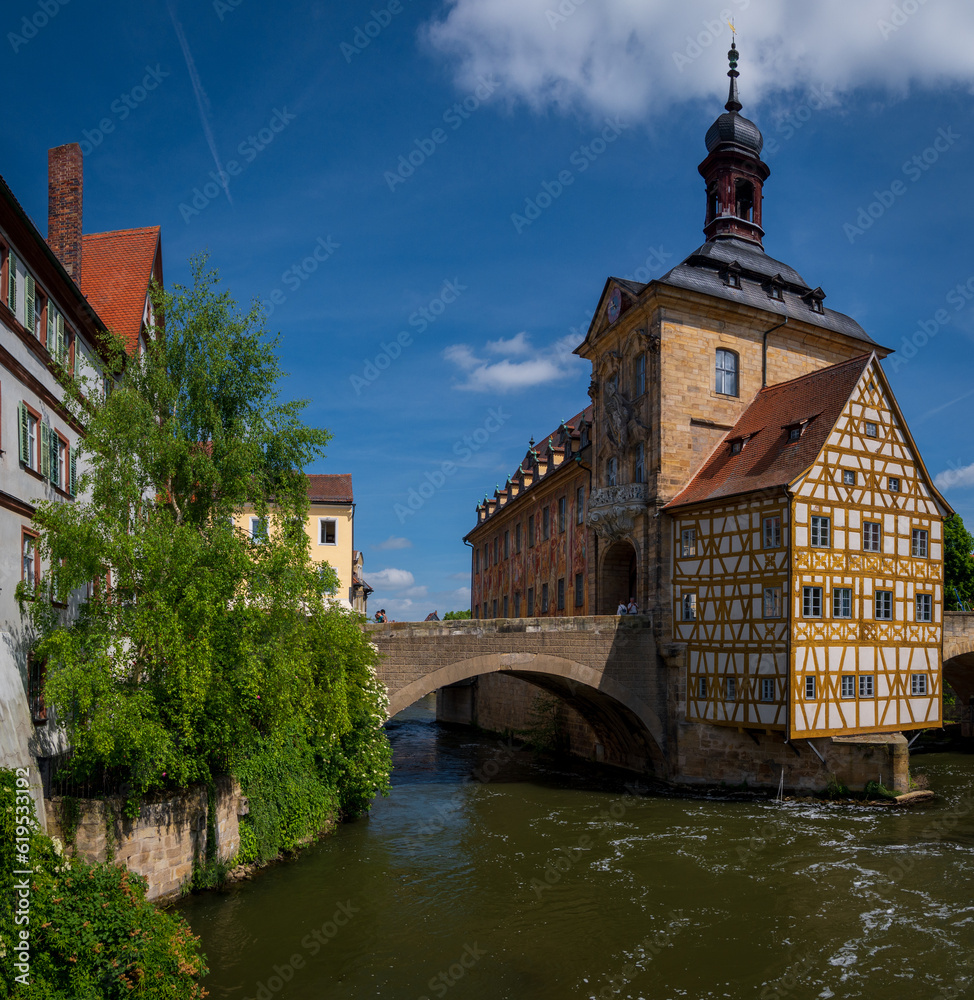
(331, 530)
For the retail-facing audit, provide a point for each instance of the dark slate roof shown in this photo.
(737, 130)
(768, 460)
(703, 271)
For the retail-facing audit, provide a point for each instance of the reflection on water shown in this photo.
(488, 874)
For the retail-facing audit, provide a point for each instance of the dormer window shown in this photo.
(794, 433)
(737, 447)
(814, 300)
(732, 276)
(776, 288)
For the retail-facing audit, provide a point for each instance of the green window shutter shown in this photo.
(45, 469)
(59, 340)
(22, 420)
(51, 313)
(55, 458)
(12, 281)
(30, 298)
(73, 483)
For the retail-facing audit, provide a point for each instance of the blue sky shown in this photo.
(404, 142)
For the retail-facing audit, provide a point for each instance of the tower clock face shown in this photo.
(615, 305)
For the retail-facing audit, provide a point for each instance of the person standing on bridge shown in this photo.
(633, 608)
(622, 609)
(380, 615)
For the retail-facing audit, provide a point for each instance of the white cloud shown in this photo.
(635, 57)
(391, 579)
(955, 478)
(392, 542)
(534, 366)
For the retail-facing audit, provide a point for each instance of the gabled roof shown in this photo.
(334, 488)
(115, 277)
(767, 459)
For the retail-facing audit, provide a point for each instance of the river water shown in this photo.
(488, 874)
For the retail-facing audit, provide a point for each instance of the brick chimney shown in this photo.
(65, 185)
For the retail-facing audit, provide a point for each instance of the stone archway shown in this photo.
(618, 576)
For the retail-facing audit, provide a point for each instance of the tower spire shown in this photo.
(733, 99)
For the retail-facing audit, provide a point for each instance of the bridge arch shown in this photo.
(959, 654)
(626, 725)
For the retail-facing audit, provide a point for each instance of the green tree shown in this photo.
(958, 563)
(199, 646)
(456, 615)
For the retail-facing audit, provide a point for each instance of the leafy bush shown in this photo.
(93, 935)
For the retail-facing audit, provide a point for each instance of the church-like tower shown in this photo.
(734, 171)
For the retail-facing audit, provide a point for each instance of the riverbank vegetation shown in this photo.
(203, 643)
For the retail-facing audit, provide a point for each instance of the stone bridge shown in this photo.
(606, 667)
(959, 663)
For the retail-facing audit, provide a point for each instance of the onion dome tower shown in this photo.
(734, 171)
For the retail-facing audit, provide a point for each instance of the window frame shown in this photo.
(867, 686)
(688, 543)
(639, 467)
(811, 595)
(894, 484)
(544, 598)
(773, 521)
(322, 535)
(839, 611)
(517, 538)
(531, 531)
(561, 593)
(872, 536)
(579, 590)
(612, 471)
(562, 514)
(688, 606)
(580, 505)
(730, 688)
(530, 607)
(35, 556)
(884, 613)
(777, 597)
(920, 535)
(768, 693)
(639, 375)
(723, 372)
(924, 615)
(546, 523)
(847, 689)
(918, 685)
(848, 477)
(258, 536)
(817, 524)
(810, 687)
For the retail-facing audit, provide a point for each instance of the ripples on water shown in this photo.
(554, 881)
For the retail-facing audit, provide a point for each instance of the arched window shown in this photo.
(612, 472)
(727, 365)
(744, 200)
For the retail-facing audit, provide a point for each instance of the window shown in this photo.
(848, 685)
(689, 607)
(737, 447)
(772, 602)
(327, 531)
(579, 590)
(893, 484)
(580, 505)
(562, 513)
(872, 536)
(640, 374)
(60, 461)
(727, 373)
(639, 470)
(517, 538)
(811, 602)
(772, 532)
(865, 685)
(767, 689)
(486, 556)
(544, 598)
(561, 594)
(531, 532)
(884, 605)
(476, 553)
(530, 602)
(31, 562)
(546, 523)
(497, 550)
(842, 602)
(57, 337)
(871, 429)
(810, 687)
(258, 529)
(611, 471)
(689, 546)
(517, 604)
(921, 543)
(821, 532)
(29, 424)
(494, 615)
(924, 607)
(506, 615)
(730, 689)
(918, 684)
(794, 433)
(701, 687)
(507, 545)
(848, 478)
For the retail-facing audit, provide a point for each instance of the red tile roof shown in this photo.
(335, 488)
(115, 275)
(767, 459)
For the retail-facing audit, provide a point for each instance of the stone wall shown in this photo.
(162, 842)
